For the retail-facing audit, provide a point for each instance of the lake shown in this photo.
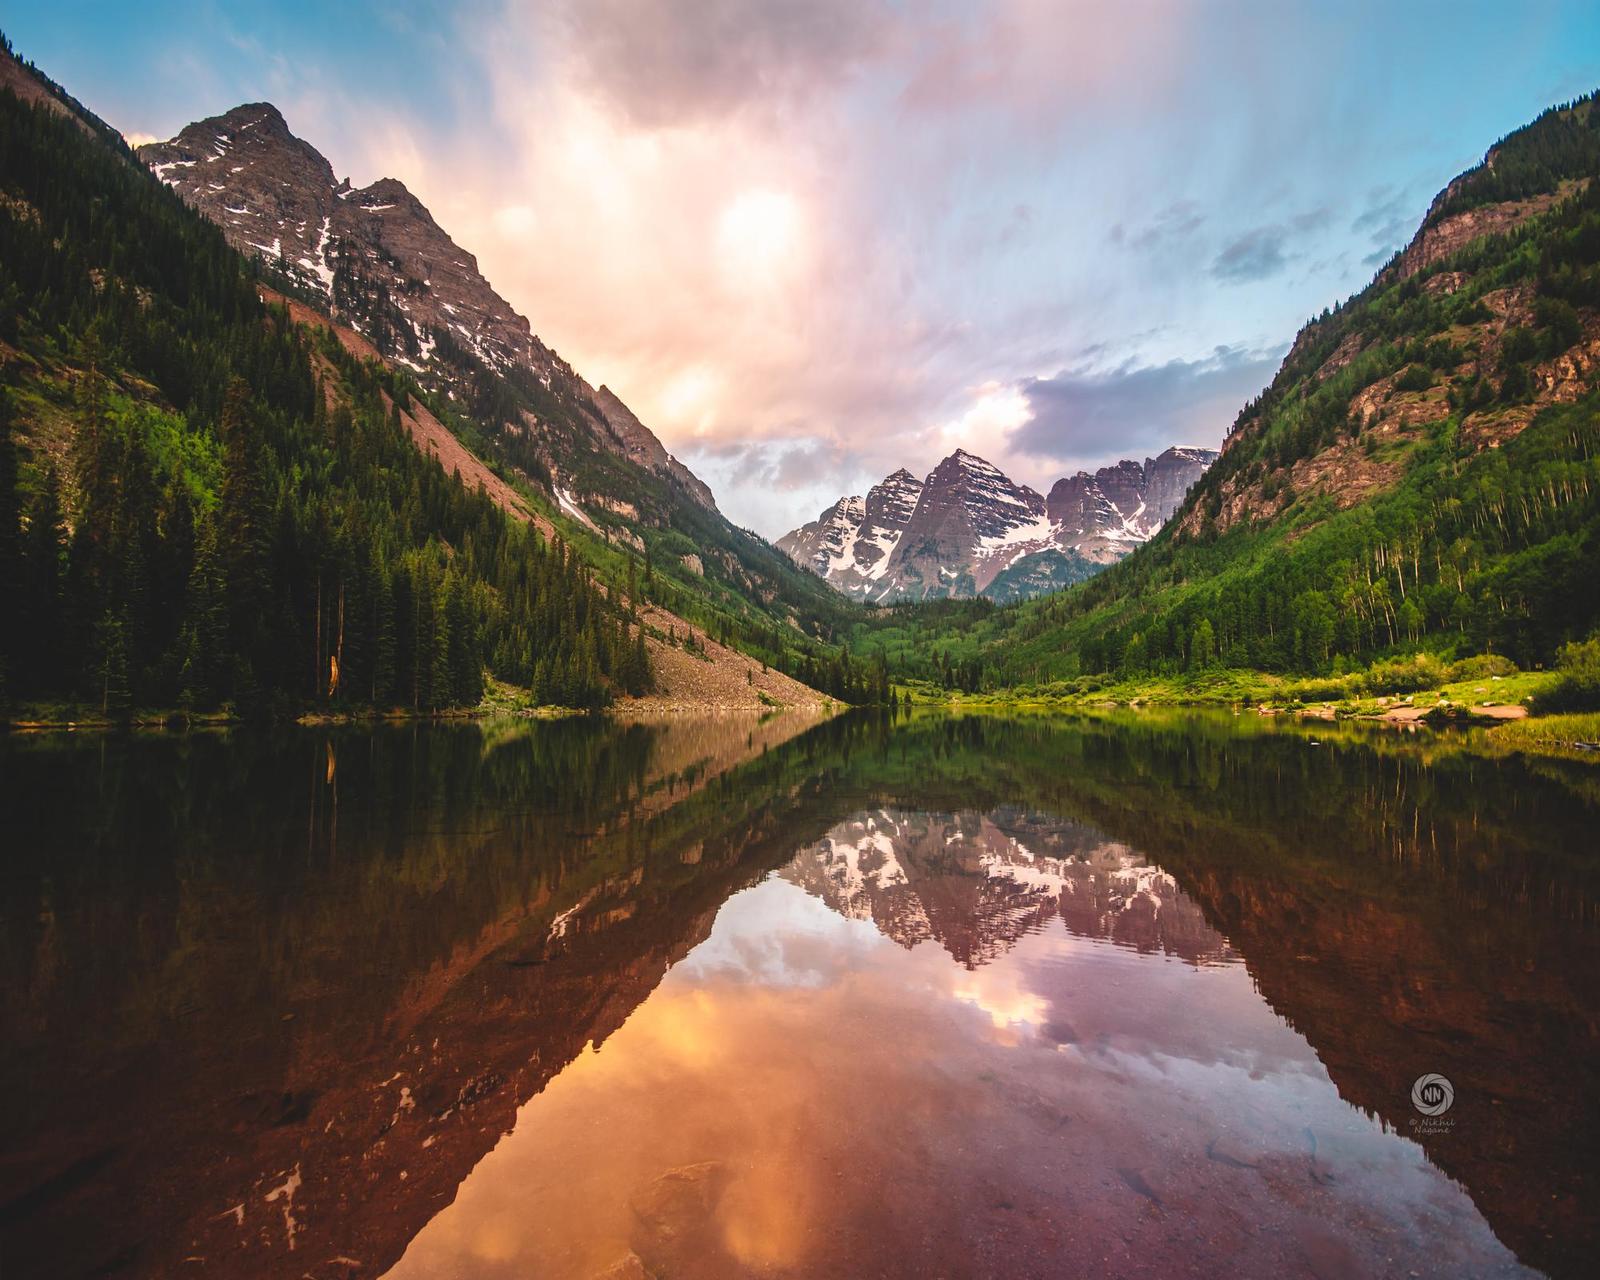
(1121, 995)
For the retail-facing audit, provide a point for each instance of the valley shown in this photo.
(464, 821)
(1417, 478)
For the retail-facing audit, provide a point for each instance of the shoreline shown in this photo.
(1571, 737)
(650, 708)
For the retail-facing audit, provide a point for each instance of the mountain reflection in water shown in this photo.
(958, 997)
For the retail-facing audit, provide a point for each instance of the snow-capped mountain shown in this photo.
(976, 883)
(971, 523)
(852, 542)
(384, 267)
(970, 530)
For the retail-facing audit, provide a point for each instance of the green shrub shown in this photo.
(1481, 666)
(1578, 688)
(1441, 353)
(1406, 675)
(1329, 689)
(1559, 323)
(1417, 377)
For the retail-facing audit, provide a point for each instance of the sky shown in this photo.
(812, 241)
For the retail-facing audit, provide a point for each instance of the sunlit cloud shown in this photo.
(759, 240)
(1005, 998)
(995, 411)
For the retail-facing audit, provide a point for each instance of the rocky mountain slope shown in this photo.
(852, 542)
(379, 262)
(1422, 473)
(969, 530)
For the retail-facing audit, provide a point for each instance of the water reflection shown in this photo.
(958, 997)
(975, 883)
(817, 1090)
(255, 1007)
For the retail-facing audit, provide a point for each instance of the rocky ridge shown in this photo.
(968, 529)
(852, 543)
(381, 265)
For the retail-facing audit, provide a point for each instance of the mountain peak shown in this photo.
(389, 189)
(275, 197)
(962, 466)
(852, 542)
(253, 115)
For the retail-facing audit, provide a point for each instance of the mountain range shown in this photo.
(375, 260)
(969, 530)
(395, 284)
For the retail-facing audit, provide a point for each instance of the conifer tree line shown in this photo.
(195, 518)
(860, 684)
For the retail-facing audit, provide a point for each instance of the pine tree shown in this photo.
(246, 533)
(111, 665)
(385, 641)
(11, 597)
(440, 693)
(204, 641)
(41, 647)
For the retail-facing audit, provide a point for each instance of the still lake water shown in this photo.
(948, 997)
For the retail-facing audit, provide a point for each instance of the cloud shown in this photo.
(811, 241)
(1082, 417)
(774, 486)
(778, 465)
(1312, 219)
(1384, 215)
(663, 63)
(1031, 62)
(1177, 222)
(1386, 222)
(1256, 255)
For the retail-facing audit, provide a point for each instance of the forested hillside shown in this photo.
(188, 518)
(375, 262)
(1422, 474)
